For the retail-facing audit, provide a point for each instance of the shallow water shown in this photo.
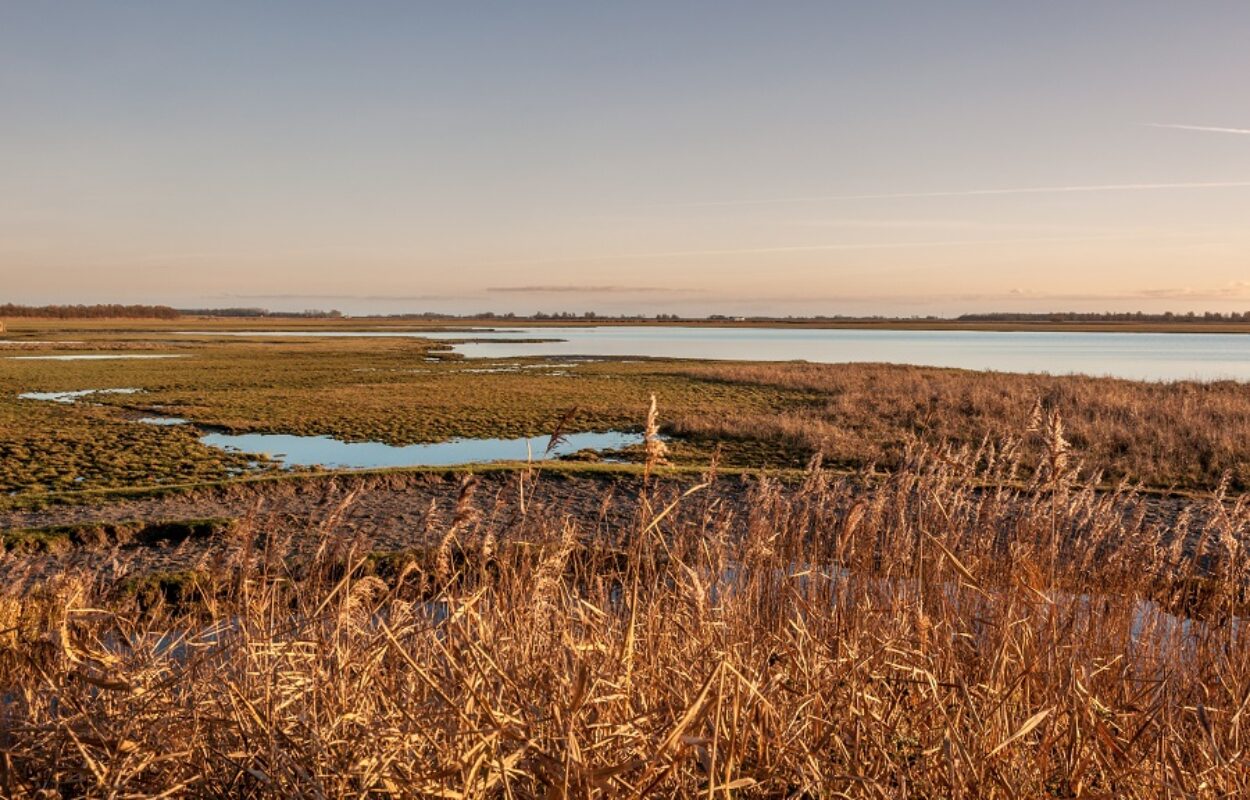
(309, 451)
(1137, 356)
(70, 397)
(324, 451)
(34, 342)
(97, 357)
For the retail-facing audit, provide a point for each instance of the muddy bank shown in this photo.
(367, 514)
(214, 529)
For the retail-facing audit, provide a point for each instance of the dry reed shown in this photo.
(919, 637)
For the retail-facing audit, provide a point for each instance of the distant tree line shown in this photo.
(312, 313)
(537, 315)
(100, 311)
(115, 311)
(1109, 316)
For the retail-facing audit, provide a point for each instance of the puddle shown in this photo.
(97, 357)
(70, 397)
(162, 420)
(311, 451)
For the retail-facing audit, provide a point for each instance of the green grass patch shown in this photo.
(404, 391)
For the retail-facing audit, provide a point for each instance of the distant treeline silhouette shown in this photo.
(117, 311)
(101, 311)
(258, 312)
(1108, 316)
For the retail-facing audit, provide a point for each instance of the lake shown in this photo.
(1138, 356)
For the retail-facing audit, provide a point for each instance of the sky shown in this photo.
(661, 157)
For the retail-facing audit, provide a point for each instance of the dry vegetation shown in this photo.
(1181, 434)
(922, 638)
(978, 621)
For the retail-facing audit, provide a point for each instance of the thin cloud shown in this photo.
(803, 248)
(368, 297)
(285, 296)
(1229, 292)
(1019, 227)
(891, 224)
(1204, 128)
(1233, 290)
(1104, 187)
(578, 289)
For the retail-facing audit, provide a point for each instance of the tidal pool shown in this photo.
(34, 342)
(70, 397)
(98, 357)
(324, 451)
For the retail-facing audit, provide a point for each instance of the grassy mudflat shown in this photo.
(403, 391)
(852, 580)
(49, 447)
(388, 390)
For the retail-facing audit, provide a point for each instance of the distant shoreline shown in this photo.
(17, 325)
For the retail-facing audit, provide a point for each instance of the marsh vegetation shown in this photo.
(410, 391)
(865, 581)
(927, 638)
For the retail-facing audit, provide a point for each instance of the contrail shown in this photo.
(1105, 187)
(1206, 128)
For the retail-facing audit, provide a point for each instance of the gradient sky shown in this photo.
(789, 158)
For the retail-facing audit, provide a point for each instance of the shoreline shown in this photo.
(18, 325)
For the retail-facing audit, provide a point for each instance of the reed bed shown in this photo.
(915, 636)
(1185, 434)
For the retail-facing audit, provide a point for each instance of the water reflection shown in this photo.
(70, 397)
(324, 451)
(1137, 356)
(98, 357)
(309, 451)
